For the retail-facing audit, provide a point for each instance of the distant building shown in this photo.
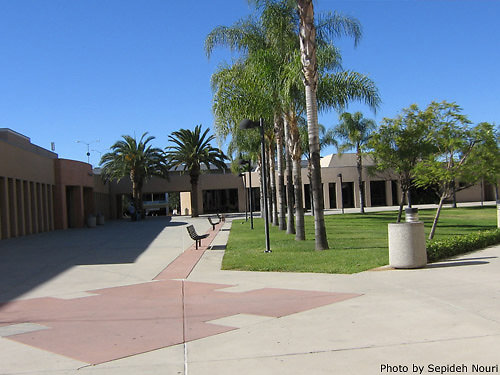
(40, 192)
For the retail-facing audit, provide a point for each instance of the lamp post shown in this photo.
(341, 192)
(250, 189)
(88, 148)
(246, 195)
(249, 124)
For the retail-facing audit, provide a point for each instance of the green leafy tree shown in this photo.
(455, 159)
(136, 159)
(191, 150)
(399, 144)
(354, 131)
(486, 157)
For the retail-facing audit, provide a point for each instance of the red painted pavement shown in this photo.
(124, 321)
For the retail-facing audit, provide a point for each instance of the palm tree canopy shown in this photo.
(354, 130)
(137, 159)
(192, 149)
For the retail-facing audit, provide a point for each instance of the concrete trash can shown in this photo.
(498, 214)
(91, 221)
(407, 242)
(100, 219)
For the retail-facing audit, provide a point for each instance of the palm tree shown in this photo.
(192, 150)
(136, 159)
(355, 131)
(326, 138)
(271, 64)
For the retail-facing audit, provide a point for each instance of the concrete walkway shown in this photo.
(136, 298)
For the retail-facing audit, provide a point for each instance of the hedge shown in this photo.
(441, 249)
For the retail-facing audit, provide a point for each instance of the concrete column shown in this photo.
(46, 209)
(21, 228)
(50, 200)
(34, 207)
(27, 207)
(39, 206)
(339, 197)
(368, 193)
(4, 209)
(60, 210)
(326, 195)
(356, 194)
(11, 186)
(78, 207)
(388, 193)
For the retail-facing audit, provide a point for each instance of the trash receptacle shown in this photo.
(407, 242)
(91, 221)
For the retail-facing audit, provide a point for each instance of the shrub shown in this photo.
(440, 249)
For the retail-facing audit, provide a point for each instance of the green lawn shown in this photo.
(357, 242)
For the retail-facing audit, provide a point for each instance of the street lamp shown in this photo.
(341, 191)
(249, 124)
(242, 162)
(88, 148)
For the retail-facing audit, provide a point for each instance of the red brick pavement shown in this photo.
(124, 321)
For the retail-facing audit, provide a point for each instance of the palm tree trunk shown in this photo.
(272, 178)
(436, 218)
(309, 176)
(290, 225)
(300, 234)
(278, 126)
(261, 189)
(194, 194)
(135, 198)
(359, 166)
(310, 70)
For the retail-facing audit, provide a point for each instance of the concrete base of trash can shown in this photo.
(91, 221)
(407, 245)
(498, 214)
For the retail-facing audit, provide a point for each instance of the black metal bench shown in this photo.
(195, 236)
(213, 223)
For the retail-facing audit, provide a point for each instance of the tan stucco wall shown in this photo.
(26, 165)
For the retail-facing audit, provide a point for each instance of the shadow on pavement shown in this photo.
(456, 264)
(26, 262)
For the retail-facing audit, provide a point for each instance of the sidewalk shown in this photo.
(85, 296)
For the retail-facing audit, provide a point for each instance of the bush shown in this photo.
(446, 248)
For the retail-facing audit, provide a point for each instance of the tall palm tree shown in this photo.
(310, 72)
(137, 160)
(326, 138)
(270, 54)
(355, 132)
(192, 149)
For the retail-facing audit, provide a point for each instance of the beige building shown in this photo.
(40, 192)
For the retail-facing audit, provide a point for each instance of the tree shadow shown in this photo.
(29, 261)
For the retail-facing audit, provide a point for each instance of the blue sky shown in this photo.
(97, 69)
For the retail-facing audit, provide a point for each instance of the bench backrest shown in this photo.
(191, 231)
(211, 222)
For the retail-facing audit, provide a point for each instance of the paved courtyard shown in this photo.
(137, 298)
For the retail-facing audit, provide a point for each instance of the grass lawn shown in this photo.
(358, 242)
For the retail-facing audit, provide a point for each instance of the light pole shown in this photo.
(249, 124)
(246, 195)
(88, 148)
(341, 192)
(242, 162)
